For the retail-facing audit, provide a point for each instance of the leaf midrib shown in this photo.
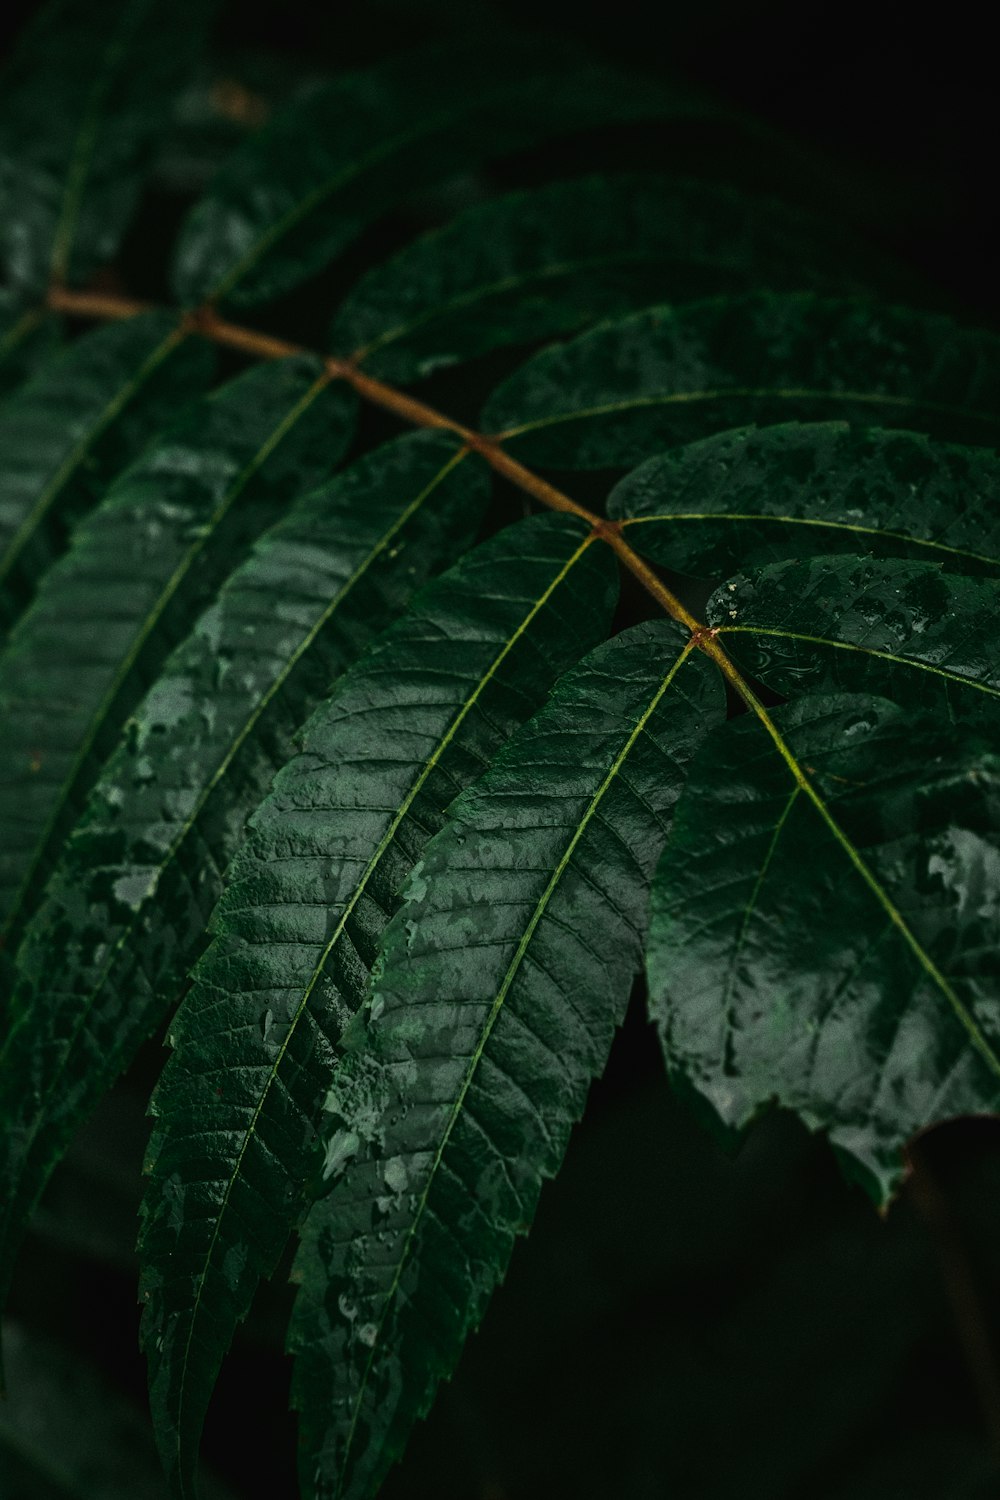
(323, 190)
(152, 619)
(830, 525)
(877, 889)
(75, 458)
(223, 766)
(485, 290)
(491, 1019)
(724, 393)
(85, 141)
(821, 640)
(432, 761)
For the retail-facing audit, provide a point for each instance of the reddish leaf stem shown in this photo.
(207, 323)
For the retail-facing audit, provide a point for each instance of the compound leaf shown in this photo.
(122, 916)
(615, 395)
(140, 567)
(824, 926)
(297, 928)
(498, 989)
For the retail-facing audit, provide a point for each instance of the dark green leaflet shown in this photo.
(757, 496)
(617, 394)
(304, 187)
(142, 565)
(67, 433)
(498, 988)
(124, 912)
(824, 926)
(298, 926)
(865, 623)
(27, 338)
(550, 260)
(89, 87)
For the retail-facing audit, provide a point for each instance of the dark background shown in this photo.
(681, 1323)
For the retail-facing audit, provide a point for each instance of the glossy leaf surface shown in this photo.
(300, 191)
(616, 395)
(298, 927)
(858, 622)
(756, 496)
(544, 262)
(125, 911)
(824, 926)
(88, 89)
(498, 989)
(66, 434)
(141, 567)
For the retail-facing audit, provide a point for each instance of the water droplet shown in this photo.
(341, 1146)
(395, 1174)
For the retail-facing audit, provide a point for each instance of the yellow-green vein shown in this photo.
(224, 764)
(881, 895)
(384, 843)
(821, 640)
(497, 1006)
(764, 518)
(311, 200)
(152, 620)
(79, 451)
(86, 139)
(779, 393)
(497, 288)
(779, 828)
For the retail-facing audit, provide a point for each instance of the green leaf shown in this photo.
(751, 497)
(89, 88)
(824, 926)
(123, 915)
(297, 193)
(67, 433)
(298, 926)
(863, 623)
(27, 339)
(498, 988)
(140, 568)
(663, 376)
(547, 261)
